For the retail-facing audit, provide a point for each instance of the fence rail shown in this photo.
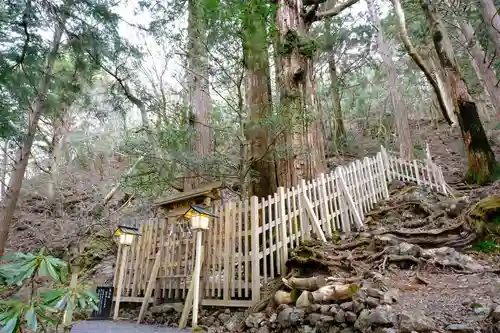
(248, 244)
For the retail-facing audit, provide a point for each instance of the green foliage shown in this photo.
(486, 246)
(42, 308)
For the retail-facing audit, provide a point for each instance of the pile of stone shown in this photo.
(369, 309)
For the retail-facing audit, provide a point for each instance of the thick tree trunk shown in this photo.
(258, 99)
(23, 153)
(480, 62)
(61, 127)
(491, 19)
(199, 89)
(302, 144)
(339, 128)
(480, 156)
(400, 109)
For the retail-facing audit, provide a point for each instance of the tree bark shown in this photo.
(23, 153)
(400, 109)
(412, 52)
(339, 128)
(480, 62)
(61, 126)
(481, 159)
(199, 89)
(302, 145)
(5, 166)
(258, 99)
(491, 19)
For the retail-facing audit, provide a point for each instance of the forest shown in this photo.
(107, 102)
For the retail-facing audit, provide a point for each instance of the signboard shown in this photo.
(105, 295)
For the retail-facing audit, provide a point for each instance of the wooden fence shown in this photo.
(248, 244)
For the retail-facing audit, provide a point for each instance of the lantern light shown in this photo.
(199, 217)
(126, 235)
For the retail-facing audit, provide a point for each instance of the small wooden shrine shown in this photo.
(175, 206)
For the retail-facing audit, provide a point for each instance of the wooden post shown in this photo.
(313, 218)
(324, 205)
(385, 185)
(386, 164)
(254, 229)
(120, 282)
(350, 201)
(151, 284)
(284, 244)
(188, 304)
(304, 220)
(196, 277)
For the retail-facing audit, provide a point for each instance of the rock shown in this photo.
(325, 309)
(386, 330)
(372, 292)
(314, 318)
(495, 315)
(360, 295)
(391, 296)
(254, 319)
(234, 323)
(334, 308)
(347, 330)
(346, 306)
(305, 329)
(361, 323)
(273, 317)
(372, 302)
(357, 306)
(382, 315)
(167, 308)
(340, 316)
(263, 329)
(482, 309)
(415, 321)
(207, 321)
(350, 317)
(224, 317)
(303, 300)
(314, 308)
(290, 317)
(460, 328)
(334, 329)
(327, 321)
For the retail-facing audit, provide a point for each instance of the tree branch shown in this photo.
(335, 10)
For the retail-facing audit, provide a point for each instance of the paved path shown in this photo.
(108, 326)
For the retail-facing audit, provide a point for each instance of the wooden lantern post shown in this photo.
(126, 238)
(199, 220)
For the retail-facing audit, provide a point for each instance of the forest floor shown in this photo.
(447, 296)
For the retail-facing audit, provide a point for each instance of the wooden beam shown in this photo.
(350, 201)
(188, 303)
(120, 282)
(312, 217)
(151, 285)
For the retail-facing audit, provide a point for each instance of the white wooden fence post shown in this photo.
(255, 239)
(304, 219)
(386, 164)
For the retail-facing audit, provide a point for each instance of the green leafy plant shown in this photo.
(45, 308)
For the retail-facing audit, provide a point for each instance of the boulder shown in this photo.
(415, 321)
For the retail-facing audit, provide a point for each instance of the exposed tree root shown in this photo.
(416, 230)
